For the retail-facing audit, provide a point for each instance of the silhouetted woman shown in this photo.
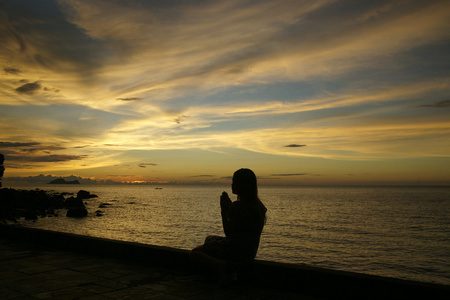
(243, 221)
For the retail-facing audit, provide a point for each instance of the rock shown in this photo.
(77, 212)
(82, 194)
(31, 204)
(14, 220)
(16, 204)
(74, 202)
(31, 216)
(76, 208)
(104, 205)
(51, 213)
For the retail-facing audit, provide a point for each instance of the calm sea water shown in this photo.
(401, 232)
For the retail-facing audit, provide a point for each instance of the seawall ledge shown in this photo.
(302, 278)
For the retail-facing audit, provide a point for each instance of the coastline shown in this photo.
(287, 277)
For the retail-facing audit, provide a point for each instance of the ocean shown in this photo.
(400, 232)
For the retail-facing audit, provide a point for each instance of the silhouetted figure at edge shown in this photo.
(2, 168)
(243, 221)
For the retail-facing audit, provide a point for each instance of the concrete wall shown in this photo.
(304, 279)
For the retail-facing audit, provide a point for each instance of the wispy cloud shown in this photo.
(13, 71)
(46, 158)
(441, 104)
(129, 99)
(144, 165)
(29, 88)
(44, 179)
(17, 144)
(28, 147)
(293, 174)
(214, 47)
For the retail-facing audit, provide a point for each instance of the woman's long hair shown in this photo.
(247, 186)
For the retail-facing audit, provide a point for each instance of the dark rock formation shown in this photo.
(73, 202)
(63, 181)
(77, 212)
(15, 204)
(31, 216)
(75, 206)
(82, 194)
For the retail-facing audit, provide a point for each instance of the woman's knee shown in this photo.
(195, 251)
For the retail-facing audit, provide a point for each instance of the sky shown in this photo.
(302, 92)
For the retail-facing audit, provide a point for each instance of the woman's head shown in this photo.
(246, 187)
(245, 184)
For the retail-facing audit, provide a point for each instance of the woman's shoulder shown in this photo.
(236, 204)
(239, 205)
(243, 206)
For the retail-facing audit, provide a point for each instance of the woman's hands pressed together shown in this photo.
(225, 202)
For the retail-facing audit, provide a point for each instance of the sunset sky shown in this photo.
(302, 92)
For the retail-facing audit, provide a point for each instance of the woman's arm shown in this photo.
(225, 207)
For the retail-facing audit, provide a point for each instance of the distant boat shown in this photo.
(63, 181)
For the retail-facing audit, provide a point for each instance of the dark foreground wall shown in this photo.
(306, 280)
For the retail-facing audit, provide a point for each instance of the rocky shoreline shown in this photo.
(31, 204)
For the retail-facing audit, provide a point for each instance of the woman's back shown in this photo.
(246, 219)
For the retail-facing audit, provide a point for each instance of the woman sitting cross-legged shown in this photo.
(243, 221)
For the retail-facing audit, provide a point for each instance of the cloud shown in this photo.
(441, 104)
(195, 50)
(22, 155)
(318, 122)
(10, 37)
(17, 144)
(294, 146)
(129, 99)
(144, 165)
(28, 147)
(29, 88)
(51, 90)
(180, 118)
(293, 174)
(210, 47)
(363, 174)
(196, 176)
(47, 158)
(44, 179)
(12, 71)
